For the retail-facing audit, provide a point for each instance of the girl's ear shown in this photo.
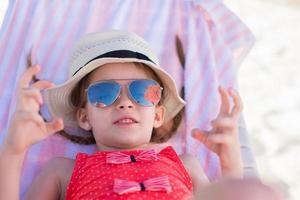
(159, 116)
(83, 120)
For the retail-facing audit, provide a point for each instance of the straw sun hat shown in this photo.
(97, 49)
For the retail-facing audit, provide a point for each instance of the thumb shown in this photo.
(54, 126)
(199, 134)
(202, 136)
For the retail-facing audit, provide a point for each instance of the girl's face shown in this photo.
(124, 124)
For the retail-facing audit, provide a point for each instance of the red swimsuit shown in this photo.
(137, 174)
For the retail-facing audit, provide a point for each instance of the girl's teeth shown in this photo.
(126, 121)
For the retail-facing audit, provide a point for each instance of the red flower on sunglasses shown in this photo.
(153, 94)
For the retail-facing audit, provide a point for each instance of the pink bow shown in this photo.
(119, 158)
(160, 183)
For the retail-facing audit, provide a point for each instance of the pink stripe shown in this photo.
(181, 22)
(236, 38)
(172, 65)
(142, 28)
(217, 9)
(219, 50)
(220, 54)
(223, 75)
(225, 69)
(132, 23)
(195, 59)
(198, 115)
(97, 21)
(150, 10)
(199, 52)
(222, 14)
(195, 87)
(224, 18)
(57, 35)
(205, 97)
(68, 43)
(38, 43)
(9, 31)
(234, 25)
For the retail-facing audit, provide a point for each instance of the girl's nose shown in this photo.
(124, 101)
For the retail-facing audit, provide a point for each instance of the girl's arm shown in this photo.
(223, 139)
(26, 128)
(10, 172)
(196, 173)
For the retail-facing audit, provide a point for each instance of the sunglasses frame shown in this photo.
(120, 89)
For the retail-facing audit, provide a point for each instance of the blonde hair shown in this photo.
(79, 99)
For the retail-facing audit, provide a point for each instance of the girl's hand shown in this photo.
(223, 138)
(27, 126)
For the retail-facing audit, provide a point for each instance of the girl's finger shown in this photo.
(40, 85)
(219, 139)
(31, 116)
(54, 126)
(210, 145)
(35, 118)
(238, 104)
(200, 135)
(31, 93)
(225, 103)
(46, 128)
(224, 122)
(28, 75)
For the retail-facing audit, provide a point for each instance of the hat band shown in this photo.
(119, 54)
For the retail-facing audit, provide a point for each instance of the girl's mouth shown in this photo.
(125, 121)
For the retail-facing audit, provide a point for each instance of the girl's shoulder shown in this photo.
(62, 167)
(195, 170)
(52, 181)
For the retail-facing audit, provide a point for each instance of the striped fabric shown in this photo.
(209, 38)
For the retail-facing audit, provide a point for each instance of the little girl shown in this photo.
(118, 94)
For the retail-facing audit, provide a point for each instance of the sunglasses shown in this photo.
(145, 92)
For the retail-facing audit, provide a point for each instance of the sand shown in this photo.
(269, 81)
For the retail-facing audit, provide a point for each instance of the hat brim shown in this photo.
(58, 97)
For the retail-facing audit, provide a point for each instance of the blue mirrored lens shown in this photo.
(145, 92)
(103, 94)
